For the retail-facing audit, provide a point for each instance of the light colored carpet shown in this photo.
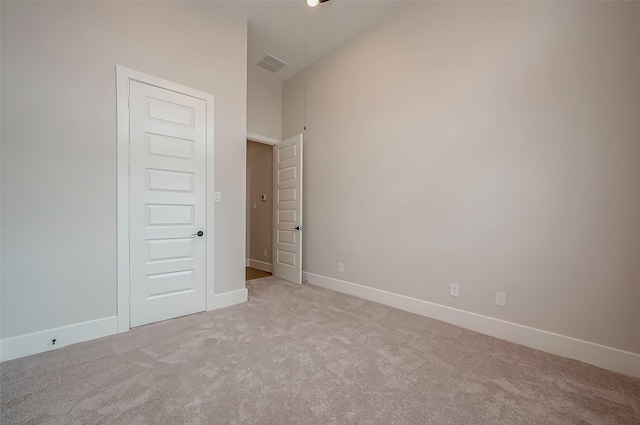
(251, 273)
(306, 355)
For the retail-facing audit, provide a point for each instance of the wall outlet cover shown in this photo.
(501, 299)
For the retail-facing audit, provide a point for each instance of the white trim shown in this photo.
(38, 342)
(247, 262)
(122, 219)
(227, 299)
(261, 265)
(123, 76)
(262, 139)
(599, 355)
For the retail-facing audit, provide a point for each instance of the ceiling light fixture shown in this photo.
(314, 3)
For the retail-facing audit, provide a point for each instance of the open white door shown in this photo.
(287, 205)
(168, 132)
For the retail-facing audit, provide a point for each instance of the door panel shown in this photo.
(170, 147)
(167, 205)
(287, 232)
(171, 249)
(170, 283)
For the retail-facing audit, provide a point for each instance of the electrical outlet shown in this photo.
(340, 267)
(265, 252)
(501, 299)
(455, 290)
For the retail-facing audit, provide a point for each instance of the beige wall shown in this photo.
(59, 144)
(264, 118)
(264, 105)
(260, 181)
(494, 145)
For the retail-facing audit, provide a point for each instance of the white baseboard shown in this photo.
(227, 299)
(261, 265)
(602, 356)
(247, 262)
(38, 342)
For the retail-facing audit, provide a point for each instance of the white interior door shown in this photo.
(167, 204)
(287, 230)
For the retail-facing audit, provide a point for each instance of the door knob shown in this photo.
(297, 228)
(199, 234)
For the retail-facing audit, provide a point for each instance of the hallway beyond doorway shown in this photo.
(251, 273)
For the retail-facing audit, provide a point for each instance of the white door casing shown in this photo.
(287, 205)
(165, 164)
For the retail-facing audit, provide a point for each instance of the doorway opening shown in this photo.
(259, 230)
(277, 208)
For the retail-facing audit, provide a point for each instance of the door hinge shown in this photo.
(129, 102)
(129, 234)
(129, 168)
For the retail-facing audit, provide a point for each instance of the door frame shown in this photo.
(123, 77)
(272, 142)
(262, 139)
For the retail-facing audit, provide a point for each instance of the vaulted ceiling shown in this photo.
(278, 28)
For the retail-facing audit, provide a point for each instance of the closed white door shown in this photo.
(167, 204)
(287, 231)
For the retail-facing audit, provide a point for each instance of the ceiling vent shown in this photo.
(271, 63)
